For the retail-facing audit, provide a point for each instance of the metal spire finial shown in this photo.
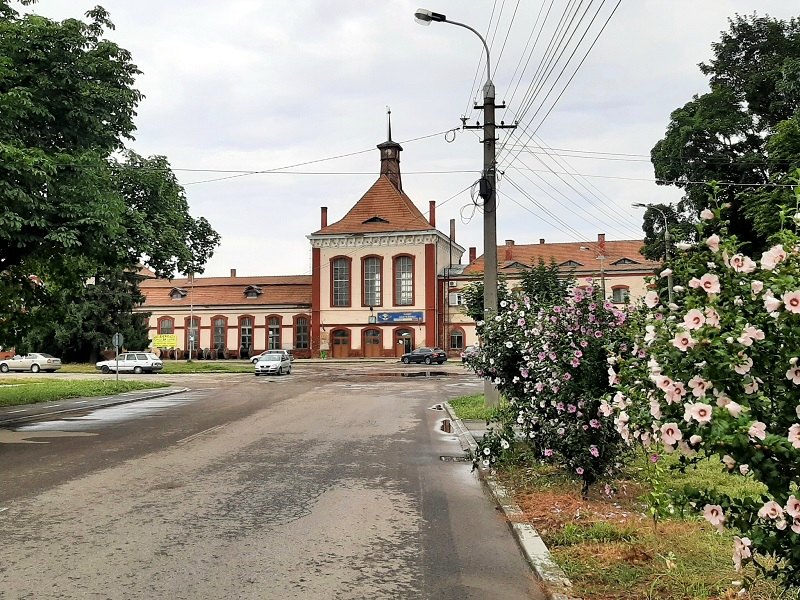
(389, 117)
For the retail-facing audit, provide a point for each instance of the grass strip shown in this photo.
(471, 408)
(14, 392)
(179, 367)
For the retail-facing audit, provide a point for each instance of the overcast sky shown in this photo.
(256, 85)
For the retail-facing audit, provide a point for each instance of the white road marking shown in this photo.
(3, 509)
(16, 411)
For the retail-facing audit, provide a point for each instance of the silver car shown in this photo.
(33, 362)
(273, 363)
(131, 362)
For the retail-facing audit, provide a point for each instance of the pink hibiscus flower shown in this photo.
(713, 243)
(671, 434)
(772, 257)
(699, 386)
(758, 430)
(794, 435)
(741, 551)
(694, 319)
(714, 514)
(683, 341)
(700, 412)
(792, 301)
(712, 317)
(710, 283)
(742, 264)
(651, 299)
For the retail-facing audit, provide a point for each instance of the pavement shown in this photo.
(554, 581)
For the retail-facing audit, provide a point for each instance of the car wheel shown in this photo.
(4, 368)
(137, 370)
(105, 370)
(289, 370)
(256, 374)
(427, 360)
(280, 370)
(35, 368)
(406, 360)
(254, 360)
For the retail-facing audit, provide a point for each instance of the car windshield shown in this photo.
(271, 357)
(44, 355)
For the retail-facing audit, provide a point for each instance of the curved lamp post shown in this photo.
(488, 184)
(666, 243)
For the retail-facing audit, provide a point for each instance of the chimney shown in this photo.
(453, 231)
(432, 212)
(472, 254)
(509, 250)
(601, 244)
(323, 219)
(541, 240)
(233, 272)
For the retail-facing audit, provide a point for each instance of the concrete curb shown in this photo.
(156, 393)
(556, 584)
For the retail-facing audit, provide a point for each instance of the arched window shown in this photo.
(246, 333)
(371, 269)
(301, 333)
(274, 333)
(403, 281)
(456, 339)
(340, 282)
(166, 325)
(220, 332)
(192, 341)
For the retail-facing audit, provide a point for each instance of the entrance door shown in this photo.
(373, 343)
(403, 341)
(340, 340)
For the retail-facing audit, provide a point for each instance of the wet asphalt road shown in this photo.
(327, 484)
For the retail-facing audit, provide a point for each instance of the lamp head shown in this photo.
(423, 16)
(639, 205)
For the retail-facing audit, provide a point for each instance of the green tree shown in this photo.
(68, 208)
(742, 132)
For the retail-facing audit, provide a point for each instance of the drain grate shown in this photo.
(455, 459)
(437, 407)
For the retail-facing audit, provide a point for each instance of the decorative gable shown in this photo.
(570, 263)
(625, 261)
(375, 219)
(513, 264)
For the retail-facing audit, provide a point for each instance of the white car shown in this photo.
(255, 359)
(131, 362)
(273, 363)
(33, 362)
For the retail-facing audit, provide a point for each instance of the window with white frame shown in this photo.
(301, 333)
(404, 280)
(341, 282)
(372, 281)
(274, 332)
(620, 295)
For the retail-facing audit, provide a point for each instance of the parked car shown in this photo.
(469, 352)
(254, 360)
(273, 363)
(424, 355)
(33, 362)
(132, 362)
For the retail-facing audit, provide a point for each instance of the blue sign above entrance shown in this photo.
(400, 317)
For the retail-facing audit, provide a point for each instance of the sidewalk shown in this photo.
(554, 581)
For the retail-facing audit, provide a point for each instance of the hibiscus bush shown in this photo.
(550, 364)
(716, 374)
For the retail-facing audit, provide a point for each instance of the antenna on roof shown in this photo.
(389, 117)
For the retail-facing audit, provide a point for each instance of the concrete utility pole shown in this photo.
(666, 244)
(488, 183)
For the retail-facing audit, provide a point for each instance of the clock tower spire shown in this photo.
(390, 155)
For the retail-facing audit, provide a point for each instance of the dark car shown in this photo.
(425, 355)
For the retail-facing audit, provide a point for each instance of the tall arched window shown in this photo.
(403, 281)
(301, 333)
(220, 332)
(246, 333)
(274, 333)
(371, 268)
(340, 282)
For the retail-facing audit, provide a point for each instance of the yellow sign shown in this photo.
(165, 340)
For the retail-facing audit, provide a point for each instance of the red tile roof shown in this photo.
(383, 208)
(511, 258)
(222, 291)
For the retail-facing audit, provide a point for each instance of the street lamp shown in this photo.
(666, 243)
(487, 185)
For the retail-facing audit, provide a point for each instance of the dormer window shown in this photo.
(253, 291)
(571, 263)
(375, 219)
(178, 293)
(625, 261)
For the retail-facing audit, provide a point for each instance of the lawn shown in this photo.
(471, 408)
(608, 545)
(18, 391)
(176, 367)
